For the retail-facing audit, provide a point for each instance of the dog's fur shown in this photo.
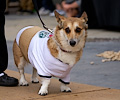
(66, 44)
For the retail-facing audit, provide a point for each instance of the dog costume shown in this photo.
(41, 58)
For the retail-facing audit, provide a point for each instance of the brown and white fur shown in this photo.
(66, 44)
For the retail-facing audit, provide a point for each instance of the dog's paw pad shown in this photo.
(26, 85)
(68, 91)
(23, 83)
(35, 82)
(43, 92)
(65, 89)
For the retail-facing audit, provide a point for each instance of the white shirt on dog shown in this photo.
(41, 58)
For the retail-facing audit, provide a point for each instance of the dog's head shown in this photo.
(71, 32)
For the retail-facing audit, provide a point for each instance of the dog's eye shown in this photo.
(78, 30)
(67, 30)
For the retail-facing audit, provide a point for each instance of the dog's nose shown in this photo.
(72, 43)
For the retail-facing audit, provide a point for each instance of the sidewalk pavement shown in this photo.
(79, 91)
(14, 23)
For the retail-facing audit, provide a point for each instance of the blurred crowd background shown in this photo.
(101, 13)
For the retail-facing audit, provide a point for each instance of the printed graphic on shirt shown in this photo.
(43, 34)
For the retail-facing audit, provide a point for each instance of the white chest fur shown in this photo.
(67, 57)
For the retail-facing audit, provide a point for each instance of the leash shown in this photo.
(36, 8)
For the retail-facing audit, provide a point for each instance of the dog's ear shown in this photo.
(60, 19)
(84, 18)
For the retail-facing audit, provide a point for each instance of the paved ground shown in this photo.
(79, 91)
(100, 74)
(15, 22)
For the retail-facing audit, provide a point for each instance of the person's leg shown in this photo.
(5, 80)
(88, 7)
(30, 6)
(7, 6)
(23, 4)
(48, 5)
(72, 12)
(3, 49)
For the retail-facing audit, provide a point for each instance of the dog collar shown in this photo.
(61, 48)
(65, 50)
(63, 62)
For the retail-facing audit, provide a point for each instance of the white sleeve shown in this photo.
(65, 80)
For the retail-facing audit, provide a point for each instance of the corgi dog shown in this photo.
(51, 55)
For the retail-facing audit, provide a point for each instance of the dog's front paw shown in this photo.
(65, 88)
(23, 83)
(44, 88)
(43, 92)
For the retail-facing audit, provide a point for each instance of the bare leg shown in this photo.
(21, 65)
(44, 88)
(34, 76)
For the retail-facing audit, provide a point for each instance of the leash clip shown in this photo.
(50, 30)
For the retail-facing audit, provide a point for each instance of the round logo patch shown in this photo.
(43, 34)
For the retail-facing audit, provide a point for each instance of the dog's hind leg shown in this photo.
(22, 81)
(34, 76)
(20, 63)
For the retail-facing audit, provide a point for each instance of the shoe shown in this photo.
(6, 80)
(44, 11)
(61, 12)
(52, 14)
